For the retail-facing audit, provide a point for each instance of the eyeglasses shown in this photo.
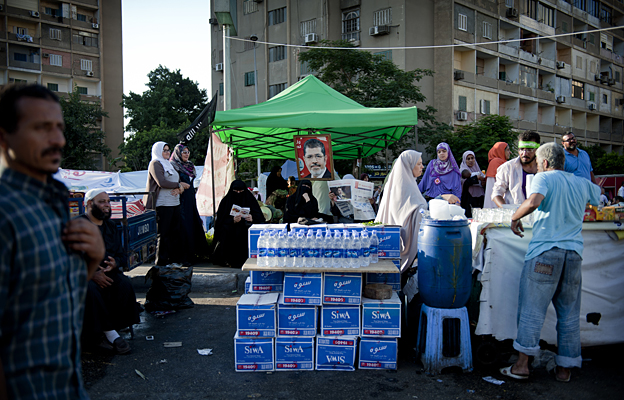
(166, 151)
(569, 140)
(186, 152)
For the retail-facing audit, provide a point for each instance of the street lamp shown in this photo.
(254, 38)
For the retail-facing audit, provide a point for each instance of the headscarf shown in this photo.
(275, 182)
(363, 176)
(297, 206)
(348, 176)
(244, 199)
(186, 168)
(157, 150)
(401, 203)
(496, 158)
(439, 167)
(475, 191)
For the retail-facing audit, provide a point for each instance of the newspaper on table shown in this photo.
(352, 198)
(238, 210)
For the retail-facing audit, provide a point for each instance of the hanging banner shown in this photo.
(223, 176)
(202, 121)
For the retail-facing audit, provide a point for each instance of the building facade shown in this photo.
(67, 44)
(507, 57)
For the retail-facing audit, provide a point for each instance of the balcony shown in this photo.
(546, 62)
(24, 39)
(485, 81)
(545, 95)
(509, 50)
(548, 128)
(469, 77)
(526, 56)
(527, 125)
(509, 86)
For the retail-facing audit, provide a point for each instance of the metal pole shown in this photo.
(255, 74)
(227, 95)
(214, 207)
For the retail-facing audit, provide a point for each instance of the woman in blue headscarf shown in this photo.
(442, 176)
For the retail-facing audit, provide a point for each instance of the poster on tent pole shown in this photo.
(314, 157)
(223, 176)
(353, 198)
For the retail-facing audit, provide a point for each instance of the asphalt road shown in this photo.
(181, 373)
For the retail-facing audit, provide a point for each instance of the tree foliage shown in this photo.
(604, 163)
(85, 139)
(478, 136)
(170, 99)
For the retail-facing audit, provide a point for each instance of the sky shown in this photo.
(174, 34)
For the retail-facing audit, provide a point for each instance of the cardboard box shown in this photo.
(266, 281)
(618, 213)
(254, 354)
(302, 288)
(254, 234)
(393, 280)
(378, 353)
(608, 213)
(340, 320)
(381, 317)
(336, 353)
(294, 354)
(247, 284)
(389, 238)
(296, 320)
(255, 315)
(342, 288)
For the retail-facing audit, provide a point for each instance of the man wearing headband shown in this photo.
(577, 161)
(511, 177)
(111, 303)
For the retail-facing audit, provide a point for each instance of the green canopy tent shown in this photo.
(266, 130)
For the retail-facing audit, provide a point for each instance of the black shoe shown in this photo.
(119, 345)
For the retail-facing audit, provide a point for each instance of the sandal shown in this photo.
(119, 345)
(507, 372)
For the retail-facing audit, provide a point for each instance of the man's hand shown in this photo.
(110, 263)
(237, 219)
(102, 279)
(517, 228)
(82, 235)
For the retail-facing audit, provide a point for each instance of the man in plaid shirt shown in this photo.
(45, 259)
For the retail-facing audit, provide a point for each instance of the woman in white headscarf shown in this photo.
(402, 202)
(164, 187)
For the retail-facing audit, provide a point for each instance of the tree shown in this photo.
(609, 163)
(478, 136)
(85, 140)
(170, 99)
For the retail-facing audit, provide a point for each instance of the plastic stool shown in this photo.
(444, 339)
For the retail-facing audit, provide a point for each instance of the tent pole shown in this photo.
(359, 166)
(214, 208)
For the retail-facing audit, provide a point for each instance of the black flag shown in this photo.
(202, 121)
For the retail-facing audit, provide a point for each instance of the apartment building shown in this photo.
(507, 56)
(67, 44)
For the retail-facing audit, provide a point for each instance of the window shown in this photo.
(250, 79)
(277, 16)
(485, 107)
(617, 76)
(275, 89)
(578, 89)
(592, 39)
(509, 3)
(592, 67)
(382, 17)
(605, 99)
(220, 89)
(606, 41)
(592, 96)
(51, 11)
(387, 55)
(250, 6)
(56, 59)
(564, 27)
(20, 31)
(86, 39)
(277, 53)
(53, 87)
(351, 25)
(462, 103)
(579, 62)
(545, 15)
(530, 8)
(81, 17)
(528, 76)
(305, 69)
(605, 14)
(307, 27)
(55, 34)
(462, 22)
(20, 57)
(82, 90)
(487, 30)
(86, 65)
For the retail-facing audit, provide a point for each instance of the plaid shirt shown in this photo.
(42, 292)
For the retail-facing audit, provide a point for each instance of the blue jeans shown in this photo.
(554, 275)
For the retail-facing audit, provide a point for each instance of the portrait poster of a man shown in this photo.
(314, 157)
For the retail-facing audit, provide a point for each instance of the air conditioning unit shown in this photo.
(45, 55)
(219, 67)
(560, 65)
(611, 81)
(34, 14)
(311, 38)
(462, 116)
(482, 107)
(592, 107)
(354, 42)
(378, 30)
(89, 73)
(213, 21)
(604, 79)
(458, 75)
(512, 13)
(95, 26)
(560, 99)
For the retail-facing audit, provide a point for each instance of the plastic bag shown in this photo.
(170, 287)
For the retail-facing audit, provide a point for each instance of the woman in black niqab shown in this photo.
(301, 204)
(230, 234)
(275, 181)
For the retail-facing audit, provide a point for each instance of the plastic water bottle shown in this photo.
(308, 251)
(282, 248)
(318, 249)
(365, 248)
(299, 248)
(374, 248)
(354, 249)
(337, 256)
(328, 252)
(292, 249)
(271, 250)
(262, 249)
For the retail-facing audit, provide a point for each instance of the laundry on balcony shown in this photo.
(24, 38)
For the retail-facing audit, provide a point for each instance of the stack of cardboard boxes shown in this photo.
(317, 320)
